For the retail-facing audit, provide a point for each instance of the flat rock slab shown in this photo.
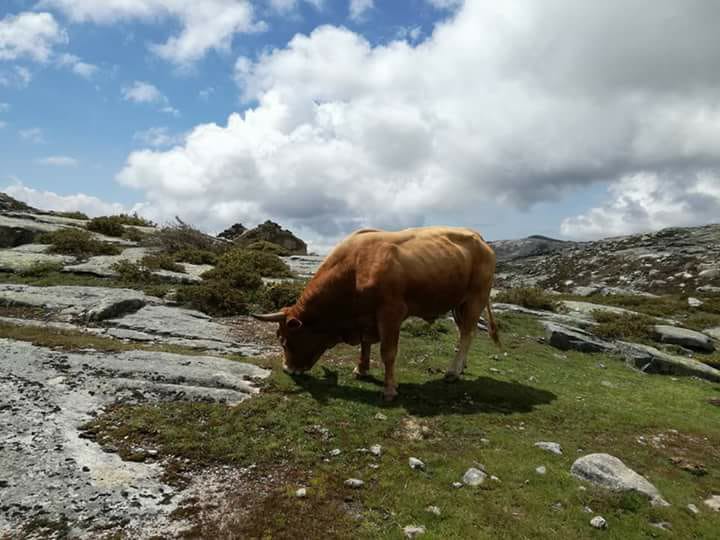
(567, 338)
(15, 231)
(652, 360)
(20, 260)
(179, 326)
(713, 332)
(49, 471)
(304, 266)
(696, 341)
(611, 473)
(580, 320)
(94, 303)
(102, 265)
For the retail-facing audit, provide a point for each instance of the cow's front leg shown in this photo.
(389, 323)
(363, 368)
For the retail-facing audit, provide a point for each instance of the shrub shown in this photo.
(109, 226)
(623, 325)
(529, 297)
(76, 242)
(246, 267)
(133, 220)
(181, 237)
(216, 297)
(41, 269)
(196, 256)
(268, 247)
(280, 295)
(133, 272)
(420, 328)
(133, 234)
(73, 215)
(161, 262)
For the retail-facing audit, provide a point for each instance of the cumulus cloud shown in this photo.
(288, 6)
(144, 92)
(506, 103)
(48, 200)
(76, 65)
(360, 8)
(59, 161)
(29, 36)
(15, 77)
(205, 24)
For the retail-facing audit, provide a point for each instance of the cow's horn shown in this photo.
(270, 317)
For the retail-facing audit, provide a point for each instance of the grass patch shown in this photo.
(73, 215)
(41, 269)
(196, 256)
(107, 225)
(76, 242)
(493, 416)
(162, 262)
(627, 326)
(419, 328)
(529, 297)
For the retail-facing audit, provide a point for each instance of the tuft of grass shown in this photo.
(73, 215)
(162, 262)
(529, 297)
(76, 242)
(623, 326)
(41, 269)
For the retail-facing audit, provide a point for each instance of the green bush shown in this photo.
(161, 262)
(133, 220)
(529, 297)
(216, 297)
(76, 242)
(420, 328)
(182, 237)
(195, 256)
(268, 247)
(133, 235)
(73, 215)
(132, 272)
(109, 226)
(246, 268)
(622, 325)
(280, 295)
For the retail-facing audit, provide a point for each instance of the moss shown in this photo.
(529, 297)
(76, 242)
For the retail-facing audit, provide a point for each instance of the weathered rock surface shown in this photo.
(609, 472)
(23, 258)
(15, 231)
(690, 339)
(304, 266)
(102, 265)
(567, 338)
(49, 471)
(552, 447)
(652, 360)
(580, 320)
(93, 303)
(474, 477)
(713, 332)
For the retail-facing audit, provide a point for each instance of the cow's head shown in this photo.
(302, 345)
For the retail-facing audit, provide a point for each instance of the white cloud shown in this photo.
(29, 35)
(359, 8)
(144, 92)
(76, 65)
(289, 6)
(650, 201)
(59, 161)
(48, 200)
(16, 77)
(445, 4)
(158, 137)
(205, 24)
(34, 135)
(506, 103)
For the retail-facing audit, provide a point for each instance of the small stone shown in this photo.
(380, 416)
(598, 522)
(664, 525)
(374, 466)
(457, 485)
(354, 483)
(376, 450)
(413, 531)
(494, 370)
(541, 470)
(433, 510)
(693, 509)
(416, 464)
(587, 510)
(335, 452)
(551, 447)
(473, 477)
(694, 302)
(301, 493)
(494, 478)
(484, 441)
(713, 502)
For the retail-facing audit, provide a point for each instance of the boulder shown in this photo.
(303, 266)
(713, 332)
(611, 473)
(552, 447)
(17, 231)
(21, 259)
(651, 360)
(233, 232)
(102, 265)
(567, 338)
(683, 337)
(273, 233)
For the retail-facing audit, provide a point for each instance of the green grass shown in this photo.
(529, 297)
(76, 242)
(109, 226)
(493, 416)
(625, 326)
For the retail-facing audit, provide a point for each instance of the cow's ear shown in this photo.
(293, 323)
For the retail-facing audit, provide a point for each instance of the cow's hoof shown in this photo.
(451, 377)
(361, 374)
(390, 394)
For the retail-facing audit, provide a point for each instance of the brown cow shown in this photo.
(374, 280)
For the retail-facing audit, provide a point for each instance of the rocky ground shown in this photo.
(70, 353)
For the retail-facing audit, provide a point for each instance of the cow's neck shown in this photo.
(327, 300)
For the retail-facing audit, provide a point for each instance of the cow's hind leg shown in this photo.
(466, 317)
(363, 368)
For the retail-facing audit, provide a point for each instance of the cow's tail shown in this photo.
(492, 326)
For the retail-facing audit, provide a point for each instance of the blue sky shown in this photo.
(498, 115)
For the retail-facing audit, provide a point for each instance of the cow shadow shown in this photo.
(432, 397)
